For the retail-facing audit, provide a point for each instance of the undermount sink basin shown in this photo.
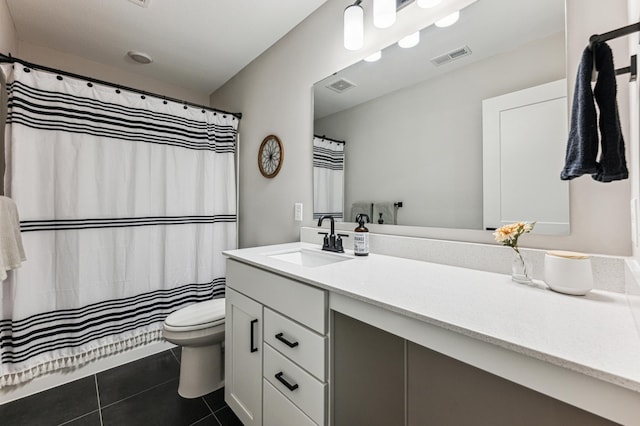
(309, 258)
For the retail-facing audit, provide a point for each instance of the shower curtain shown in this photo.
(328, 178)
(126, 203)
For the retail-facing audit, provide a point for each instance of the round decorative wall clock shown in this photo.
(270, 156)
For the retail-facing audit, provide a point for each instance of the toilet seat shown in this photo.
(197, 316)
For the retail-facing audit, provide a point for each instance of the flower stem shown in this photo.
(524, 265)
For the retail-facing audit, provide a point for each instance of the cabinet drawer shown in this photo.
(279, 411)
(301, 345)
(304, 303)
(309, 394)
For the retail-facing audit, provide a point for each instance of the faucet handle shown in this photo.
(325, 243)
(339, 247)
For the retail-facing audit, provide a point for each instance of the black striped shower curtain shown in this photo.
(126, 203)
(328, 178)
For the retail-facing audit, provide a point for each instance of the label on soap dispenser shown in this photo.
(361, 243)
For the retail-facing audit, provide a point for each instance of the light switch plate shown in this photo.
(298, 212)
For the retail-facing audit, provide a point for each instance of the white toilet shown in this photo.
(199, 329)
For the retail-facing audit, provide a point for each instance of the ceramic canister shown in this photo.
(568, 272)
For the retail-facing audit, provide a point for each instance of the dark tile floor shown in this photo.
(143, 392)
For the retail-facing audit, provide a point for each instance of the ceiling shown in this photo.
(487, 27)
(195, 44)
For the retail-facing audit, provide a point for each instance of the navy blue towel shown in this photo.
(582, 146)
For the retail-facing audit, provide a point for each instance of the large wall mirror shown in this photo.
(417, 123)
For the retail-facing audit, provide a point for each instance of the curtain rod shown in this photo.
(327, 139)
(11, 59)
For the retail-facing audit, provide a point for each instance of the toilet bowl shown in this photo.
(199, 330)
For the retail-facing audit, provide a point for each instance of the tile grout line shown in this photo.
(210, 415)
(174, 356)
(217, 419)
(213, 413)
(207, 404)
(95, 378)
(76, 418)
(141, 392)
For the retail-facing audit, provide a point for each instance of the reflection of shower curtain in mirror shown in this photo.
(126, 203)
(328, 178)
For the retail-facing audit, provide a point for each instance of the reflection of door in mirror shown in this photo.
(524, 136)
(328, 177)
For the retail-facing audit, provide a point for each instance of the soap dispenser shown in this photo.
(361, 236)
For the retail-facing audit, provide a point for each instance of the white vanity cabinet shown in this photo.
(377, 340)
(284, 381)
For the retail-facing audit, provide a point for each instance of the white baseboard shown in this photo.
(57, 378)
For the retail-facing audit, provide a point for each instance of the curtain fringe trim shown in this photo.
(79, 359)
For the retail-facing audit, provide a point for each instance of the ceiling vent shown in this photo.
(450, 56)
(341, 85)
(141, 3)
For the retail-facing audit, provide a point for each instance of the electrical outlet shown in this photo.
(298, 212)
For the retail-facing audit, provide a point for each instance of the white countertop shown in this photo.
(593, 334)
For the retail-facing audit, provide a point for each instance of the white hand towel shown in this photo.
(388, 211)
(11, 249)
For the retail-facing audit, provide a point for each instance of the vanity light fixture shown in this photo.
(410, 41)
(426, 4)
(448, 20)
(384, 13)
(354, 26)
(374, 56)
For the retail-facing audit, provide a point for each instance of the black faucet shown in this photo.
(331, 241)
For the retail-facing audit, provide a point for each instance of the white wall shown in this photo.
(78, 65)
(8, 37)
(634, 132)
(274, 94)
(422, 145)
(600, 213)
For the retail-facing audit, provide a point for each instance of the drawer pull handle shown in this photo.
(280, 337)
(252, 347)
(284, 382)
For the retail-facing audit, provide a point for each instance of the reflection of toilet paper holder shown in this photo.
(568, 272)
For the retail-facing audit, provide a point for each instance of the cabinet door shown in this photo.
(243, 357)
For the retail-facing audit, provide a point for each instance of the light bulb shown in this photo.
(410, 41)
(374, 56)
(448, 20)
(426, 4)
(353, 27)
(384, 13)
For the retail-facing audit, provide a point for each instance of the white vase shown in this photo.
(521, 269)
